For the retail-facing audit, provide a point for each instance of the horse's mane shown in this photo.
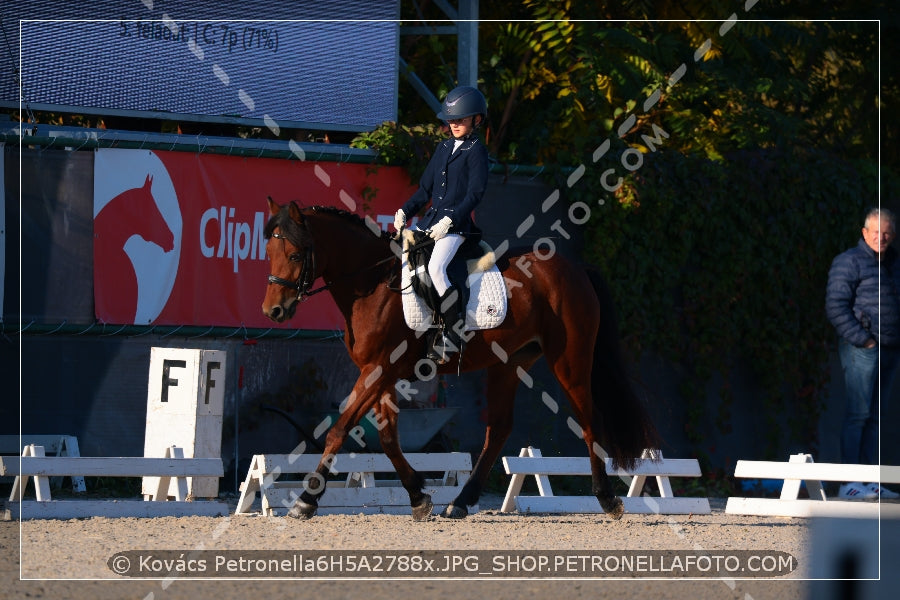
(299, 236)
(352, 218)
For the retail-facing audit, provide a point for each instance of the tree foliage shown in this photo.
(557, 79)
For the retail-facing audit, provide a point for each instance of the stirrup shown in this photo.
(442, 350)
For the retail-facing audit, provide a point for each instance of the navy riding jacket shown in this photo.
(454, 182)
(857, 283)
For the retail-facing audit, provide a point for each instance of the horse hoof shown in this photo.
(455, 512)
(301, 510)
(422, 511)
(613, 507)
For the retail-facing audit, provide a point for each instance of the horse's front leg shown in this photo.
(306, 505)
(387, 412)
(501, 390)
(359, 402)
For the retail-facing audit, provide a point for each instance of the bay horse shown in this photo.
(556, 308)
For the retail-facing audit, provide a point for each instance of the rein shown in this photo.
(307, 275)
(409, 250)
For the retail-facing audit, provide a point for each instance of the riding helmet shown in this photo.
(463, 101)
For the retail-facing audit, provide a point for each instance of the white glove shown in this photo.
(399, 220)
(440, 229)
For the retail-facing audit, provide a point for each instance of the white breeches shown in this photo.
(444, 250)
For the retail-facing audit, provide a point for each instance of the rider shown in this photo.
(454, 180)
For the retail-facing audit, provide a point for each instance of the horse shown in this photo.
(132, 213)
(556, 308)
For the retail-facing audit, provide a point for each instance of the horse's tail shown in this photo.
(620, 418)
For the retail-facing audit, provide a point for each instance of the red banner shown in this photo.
(178, 237)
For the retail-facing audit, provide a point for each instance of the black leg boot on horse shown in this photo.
(449, 341)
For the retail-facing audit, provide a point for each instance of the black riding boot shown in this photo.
(448, 341)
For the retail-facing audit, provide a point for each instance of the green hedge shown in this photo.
(719, 262)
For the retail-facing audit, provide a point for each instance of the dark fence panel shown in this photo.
(55, 204)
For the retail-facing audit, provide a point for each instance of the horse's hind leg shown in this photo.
(502, 381)
(601, 486)
(600, 482)
(572, 365)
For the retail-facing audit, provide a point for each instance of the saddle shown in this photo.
(472, 270)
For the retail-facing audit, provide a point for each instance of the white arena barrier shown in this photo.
(801, 467)
(652, 464)
(182, 449)
(58, 445)
(359, 491)
(35, 465)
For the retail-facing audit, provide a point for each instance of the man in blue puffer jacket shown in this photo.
(862, 301)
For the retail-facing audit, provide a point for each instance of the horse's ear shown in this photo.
(274, 209)
(294, 212)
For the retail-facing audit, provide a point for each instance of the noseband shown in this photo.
(307, 274)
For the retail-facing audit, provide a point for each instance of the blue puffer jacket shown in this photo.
(853, 294)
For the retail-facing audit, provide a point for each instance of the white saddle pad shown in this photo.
(486, 307)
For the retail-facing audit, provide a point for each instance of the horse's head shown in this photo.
(291, 261)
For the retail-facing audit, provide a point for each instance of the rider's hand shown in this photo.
(399, 220)
(440, 228)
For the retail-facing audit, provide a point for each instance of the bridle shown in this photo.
(307, 273)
